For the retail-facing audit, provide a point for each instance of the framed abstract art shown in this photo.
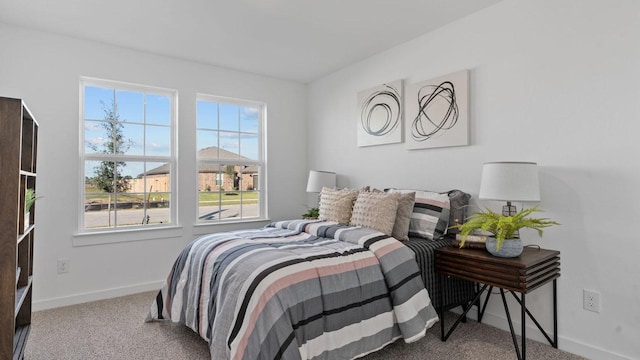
(380, 114)
(437, 112)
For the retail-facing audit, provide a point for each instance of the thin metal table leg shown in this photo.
(478, 303)
(484, 306)
(444, 337)
(513, 333)
(542, 331)
(555, 315)
(523, 314)
(442, 279)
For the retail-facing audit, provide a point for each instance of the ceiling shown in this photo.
(298, 40)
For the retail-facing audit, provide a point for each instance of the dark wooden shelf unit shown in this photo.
(18, 154)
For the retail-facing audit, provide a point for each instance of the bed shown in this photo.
(304, 289)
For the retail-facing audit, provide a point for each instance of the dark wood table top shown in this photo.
(532, 269)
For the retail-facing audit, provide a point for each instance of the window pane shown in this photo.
(229, 145)
(96, 100)
(158, 177)
(249, 119)
(250, 178)
(99, 137)
(231, 203)
(229, 117)
(207, 115)
(249, 146)
(208, 196)
(158, 141)
(158, 208)
(250, 204)
(99, 176)
(95, 137)
(207, 140)
(231, 179)
(130, 106)
(209, 177)
(153, 190)
(128, 172)
(129, 211)
(97, 213)
(130, 140)
(158, 109)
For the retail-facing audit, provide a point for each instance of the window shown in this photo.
(230, 159)
(127, 156)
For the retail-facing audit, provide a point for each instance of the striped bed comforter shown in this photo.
(297, 289)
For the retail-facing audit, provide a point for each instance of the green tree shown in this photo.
(231, 173)
(108, 175)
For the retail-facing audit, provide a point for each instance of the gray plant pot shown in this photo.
(510, 247)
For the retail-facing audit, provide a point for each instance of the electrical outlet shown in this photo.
(63, 266)
(591, 300)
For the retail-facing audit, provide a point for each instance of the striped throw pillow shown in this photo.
(430, 216)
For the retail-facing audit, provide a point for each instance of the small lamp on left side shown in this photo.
(318, 180)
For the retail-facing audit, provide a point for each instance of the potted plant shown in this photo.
(503, 228)
(29, 199)
(311, 214)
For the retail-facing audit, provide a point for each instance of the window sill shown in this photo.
(126, 235)
(203, 228)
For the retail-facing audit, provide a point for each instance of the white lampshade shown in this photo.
(319, 179)
(510, 181)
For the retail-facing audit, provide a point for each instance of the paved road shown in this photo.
(93, 219)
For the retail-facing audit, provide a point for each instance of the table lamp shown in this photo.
(320, 179)
(510, 181)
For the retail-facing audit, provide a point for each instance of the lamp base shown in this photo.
(510, 210)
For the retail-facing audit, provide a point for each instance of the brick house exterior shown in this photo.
(211, 177)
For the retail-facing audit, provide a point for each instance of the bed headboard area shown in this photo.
(401, 213)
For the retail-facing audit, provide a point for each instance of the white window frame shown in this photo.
(171, 159)
(261, 162)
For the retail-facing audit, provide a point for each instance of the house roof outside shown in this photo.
(212, 152)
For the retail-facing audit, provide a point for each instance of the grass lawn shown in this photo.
(228, 198)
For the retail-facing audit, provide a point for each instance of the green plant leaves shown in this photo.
(503, 227)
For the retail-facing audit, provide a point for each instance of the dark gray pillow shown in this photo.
(459, 204)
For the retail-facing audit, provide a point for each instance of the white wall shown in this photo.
(555, 82)
(45, 70)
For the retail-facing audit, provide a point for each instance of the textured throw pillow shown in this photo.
(375, 210)
(403, 216)
(336, 205)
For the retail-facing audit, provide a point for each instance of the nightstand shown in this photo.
(531, 270)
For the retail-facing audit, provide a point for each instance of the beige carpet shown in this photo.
(115, 329)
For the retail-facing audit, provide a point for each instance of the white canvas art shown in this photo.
(380, 114)
(438, 112)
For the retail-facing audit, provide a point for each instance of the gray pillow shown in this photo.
(403, 216)
(459, 203)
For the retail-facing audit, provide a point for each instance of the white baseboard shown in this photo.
(94, 296)
(564, 343)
